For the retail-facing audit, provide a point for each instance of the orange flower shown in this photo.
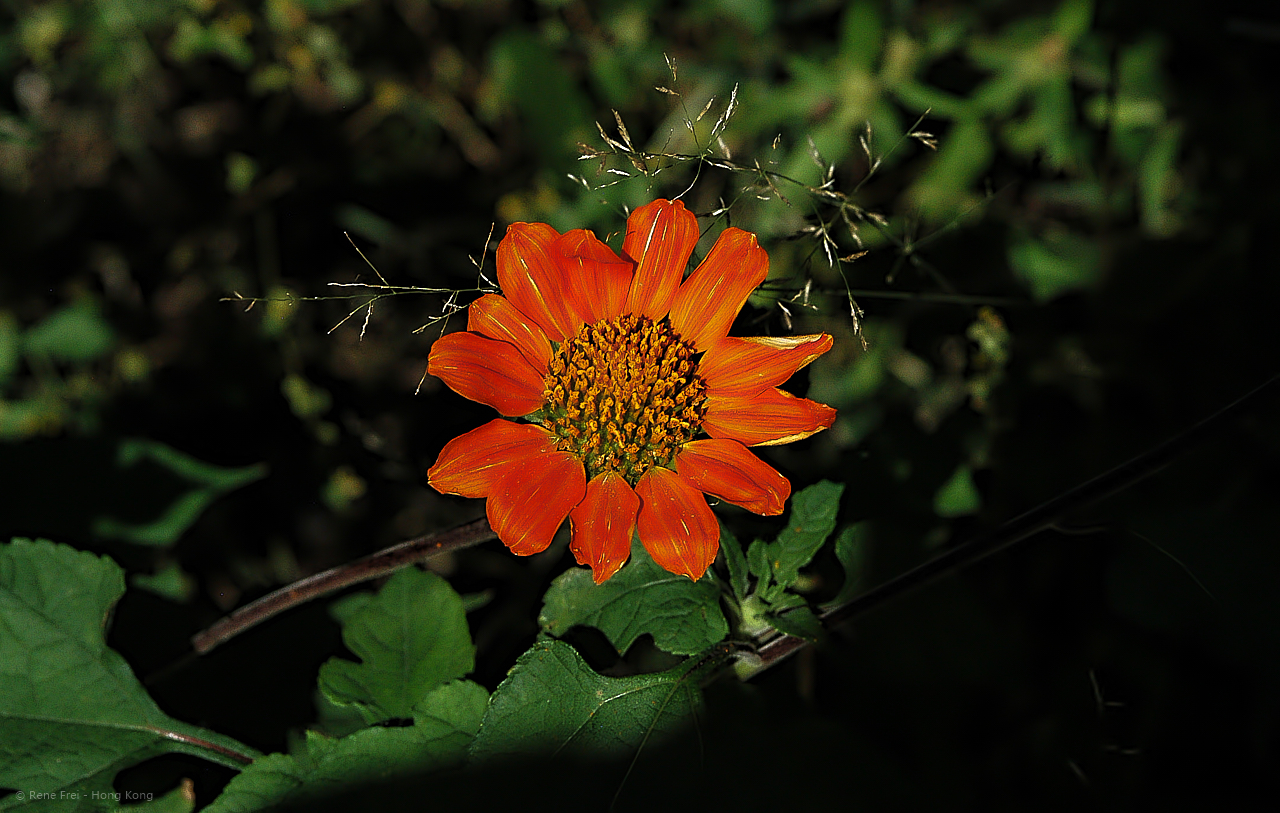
(619, 366)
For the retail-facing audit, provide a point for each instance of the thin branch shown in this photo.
(1020, 528)
(784, 288)
(366, 260)
(369, 567)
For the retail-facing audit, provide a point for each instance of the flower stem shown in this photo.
(369, 567)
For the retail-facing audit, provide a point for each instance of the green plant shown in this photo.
(996, 211)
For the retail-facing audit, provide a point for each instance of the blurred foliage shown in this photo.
(1066, 262)
(131, 489)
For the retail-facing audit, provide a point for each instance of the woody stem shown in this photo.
(361, 570)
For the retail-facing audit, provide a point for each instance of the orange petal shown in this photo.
(769, 418)
(724, 468)
(532, 279)
(675, 523)
(709, 300)
(471, 464)
(488, 371)
(746, 366)
(603, 524)
(660, 237)
(598, 279)
(494, 316)
(529, 502)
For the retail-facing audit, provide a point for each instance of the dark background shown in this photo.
(155, 162)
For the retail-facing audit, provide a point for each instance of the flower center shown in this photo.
(624, 395)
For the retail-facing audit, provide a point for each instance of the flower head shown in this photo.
(635, 399)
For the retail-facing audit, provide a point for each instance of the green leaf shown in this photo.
(1049, 130)
(10, 341)
(475, 601)
(72, 714)
(411, 638)
(344, 609)
(958, 496)
(757, 16)
(737, 562)
(851, 551)
(800, 622)
(862, 35)
(1055, 263)
(76, 333)
(813, 518)
(552, 703)
(1072, 19)
(784, 600)
(1159, 182)
(684, 617)
(205, 483)
(306, 400)
(758, 563)
(444, 724)
(944, 190)
(918, 97)
(169, 581)
(191, 40)
(527, 73)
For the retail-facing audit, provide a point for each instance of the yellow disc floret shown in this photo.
(624, 395)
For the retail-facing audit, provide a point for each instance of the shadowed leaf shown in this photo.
(553, 704)
(683, 617)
